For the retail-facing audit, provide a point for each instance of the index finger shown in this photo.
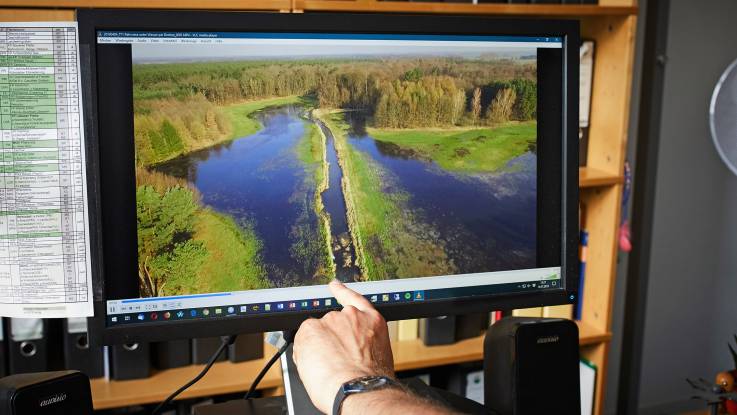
(346, 296)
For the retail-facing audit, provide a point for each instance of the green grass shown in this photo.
(233, 262)
(386, 233)
(311, 152)
(469, 151)
(240, 115)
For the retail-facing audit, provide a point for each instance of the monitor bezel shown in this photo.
(90, 21)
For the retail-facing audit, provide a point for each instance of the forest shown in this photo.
(180, 108)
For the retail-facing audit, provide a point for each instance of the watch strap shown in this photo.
(343, 392)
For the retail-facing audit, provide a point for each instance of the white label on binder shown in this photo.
(22, 329)
(77, 325)
(44, 232)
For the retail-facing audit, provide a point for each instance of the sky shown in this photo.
(189, 52)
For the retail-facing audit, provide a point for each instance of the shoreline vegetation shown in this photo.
(312, 152)
(184, 246)
(467, 117)
(465, 150)
(381, 224)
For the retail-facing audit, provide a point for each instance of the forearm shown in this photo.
(390, 401)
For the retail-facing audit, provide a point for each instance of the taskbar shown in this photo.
(323, 304)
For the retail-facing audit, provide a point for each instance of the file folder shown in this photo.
(246, 347)
(171, 354)
(130, 361)
(204, 348)
(78, 354)
(28, 346)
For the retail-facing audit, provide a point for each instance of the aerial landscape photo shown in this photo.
(277, 167)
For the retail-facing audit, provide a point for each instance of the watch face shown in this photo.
(365, 383)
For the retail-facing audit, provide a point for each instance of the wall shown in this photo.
(691, 307)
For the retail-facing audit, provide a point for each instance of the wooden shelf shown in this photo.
(223, 377)
(226, 377)
(464, 8)
(591, 177)
(274, 5)
(341, 5)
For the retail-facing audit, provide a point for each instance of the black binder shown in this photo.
(78, 354)
(27, 345)
(130, 361)
(3, 349)
(246, 347)
(204, 348)
(438, 330)
(171, 354)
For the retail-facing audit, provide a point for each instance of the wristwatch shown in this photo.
(360, 385)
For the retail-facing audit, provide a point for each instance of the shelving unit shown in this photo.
(226, 377)
(611, 24)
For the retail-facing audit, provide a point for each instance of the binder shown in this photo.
(28, 346)
(246, 347)
(130, 361)
(585, 88)
(407, 329)
(171, 354)
(587, 375)
(436, 331)
(78, 354)
(204, 348)
(528, 312)
(393, 327)
(471, 325)
(3, 353)
(583, 254)
(559, 311)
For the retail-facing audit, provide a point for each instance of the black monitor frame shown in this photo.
(90, 21)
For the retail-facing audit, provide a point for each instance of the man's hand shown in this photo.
(342, 346)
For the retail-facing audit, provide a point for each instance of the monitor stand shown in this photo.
(298, 402)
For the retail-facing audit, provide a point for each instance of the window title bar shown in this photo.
(323, 36)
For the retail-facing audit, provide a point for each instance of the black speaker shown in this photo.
(531, 366)
(46, 393)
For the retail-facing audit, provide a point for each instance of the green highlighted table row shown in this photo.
(26, 60)
(29, 212)
(11, 156)
(31, 109)
(32, 235)
(26, 144)
(30, 168)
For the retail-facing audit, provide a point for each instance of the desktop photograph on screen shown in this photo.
(288, 161)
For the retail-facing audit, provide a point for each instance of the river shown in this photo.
(259, 181)
(486, 221)
(334, 201)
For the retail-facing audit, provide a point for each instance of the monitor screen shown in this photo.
(263, 164)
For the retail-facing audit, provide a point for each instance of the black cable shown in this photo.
(226, 341)
(265, 369)
(288, 336)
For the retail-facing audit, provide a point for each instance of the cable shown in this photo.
(288, 336)
(265, 369)
(226, 341)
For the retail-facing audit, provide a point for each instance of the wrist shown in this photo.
(359, 403)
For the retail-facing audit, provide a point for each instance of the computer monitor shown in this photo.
(240, 161)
